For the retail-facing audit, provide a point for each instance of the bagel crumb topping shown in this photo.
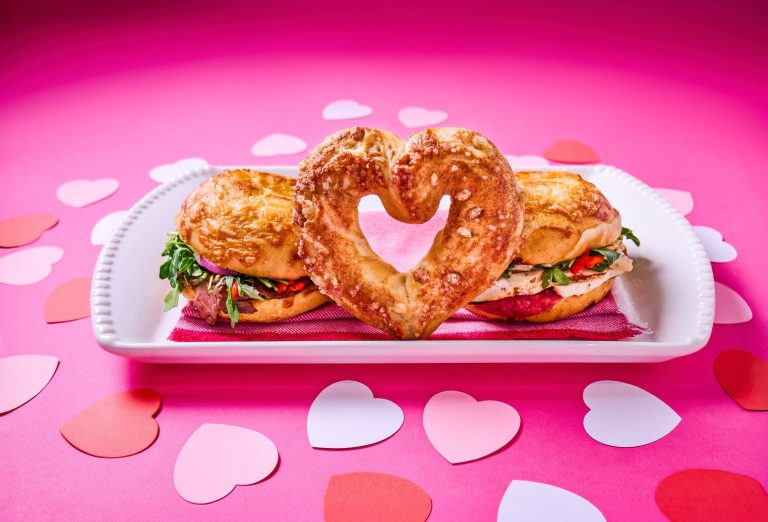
(463, 195)
(464, 232)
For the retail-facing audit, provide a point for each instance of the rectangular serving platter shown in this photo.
(671, 291)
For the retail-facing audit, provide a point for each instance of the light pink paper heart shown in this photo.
(276, 144)
(730, 307)
(82, 192)
(462, 429)
(169, 171)
(680, 199)
(527, 160)
(22, 377)
(28, 266)
(218, 457)
(413, 117)
(345, 110)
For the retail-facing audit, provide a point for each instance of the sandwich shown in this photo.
(573, 249)
(234, 254)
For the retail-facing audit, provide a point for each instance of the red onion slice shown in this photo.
(213, 268)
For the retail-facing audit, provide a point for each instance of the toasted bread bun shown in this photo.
(564, 216)
(563, 308)
(241, 220)
(275, 309)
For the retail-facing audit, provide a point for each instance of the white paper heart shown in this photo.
(82, 192)
(105, 226)
(680, 199)
(345, 110)
(346, 415)
(626, 416)
(730, 307)
(29, 266)
(413, 117)
(528, 160)
(218, 457)
(22, 377)
(276, 144)
(535, 501)
(718, 250)
(169, 171)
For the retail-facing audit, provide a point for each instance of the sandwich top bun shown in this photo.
(241, 220)
(564, 216)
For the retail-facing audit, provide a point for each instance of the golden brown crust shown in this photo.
(563, 308)
(481, 235)
(240, 219)
(564, 216)
(271, 310)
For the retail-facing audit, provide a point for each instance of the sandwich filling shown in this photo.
(527, 290)
(218, 289)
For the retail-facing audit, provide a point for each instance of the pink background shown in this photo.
(673, 94)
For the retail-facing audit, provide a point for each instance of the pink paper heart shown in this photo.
(22, 377)
(730, 307)
(69, 301)
(23, 230)
(680, 199)
(277, 144)
(345, 110)
(218, 457)
(527, 160)
(28, 266)
(462, 429)
(82, 192)
(413, 117)
(571, 151)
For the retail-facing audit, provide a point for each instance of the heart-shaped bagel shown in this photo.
(481, 236)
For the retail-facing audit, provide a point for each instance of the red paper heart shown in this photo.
(743, 376)
(375, 497)
(117, 426)
(707, 494)
(70, 301)
(23, 230)
(571, 151)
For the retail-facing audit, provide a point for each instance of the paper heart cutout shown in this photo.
(527, 160)
(462, 429)
(28, 266)
(706, 494)
(169, 171)
(345, 110)
(730, 307)
(20, 231)
(346, 415)
(82, 192)
(218, 457)
(413, 117)
(526, 500)
(719, 251)
(571, 151)
(69, 301)
(22, 377)
(116, 426)
(744, 376)
(277, 144)
(374, 497)
(625, 416)
(680, 199)
(105, 226)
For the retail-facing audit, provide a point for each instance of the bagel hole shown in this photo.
(400, 244)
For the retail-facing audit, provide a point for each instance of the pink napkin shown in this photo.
(403, 245)
(602, 322)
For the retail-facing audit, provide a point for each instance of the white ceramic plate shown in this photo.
(671, 290)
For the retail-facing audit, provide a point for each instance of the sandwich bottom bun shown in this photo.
(271, 310)
(563, 308)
